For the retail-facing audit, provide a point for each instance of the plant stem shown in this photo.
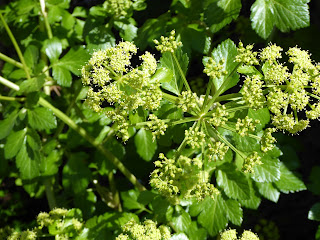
(10, 60)
(82, 132)
(228, 97)
(5, 98)
(9, 84)
(114, 190)
(16, 46)
(185, 82)
(45, 17)
(49, 193)
(169, 97)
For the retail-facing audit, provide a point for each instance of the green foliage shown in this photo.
(84, 112)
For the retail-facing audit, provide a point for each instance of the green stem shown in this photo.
(4, 98)
(9, 83)
(184, 143)
(10, 60)
(45, 18)
(185, 82)
(50, 194)
(169, 121)
(169, 97)
(312, 95)
(221, 89)
(16, 46)
(83, 133)
(228, 97)
(114, 191)
(233, 130)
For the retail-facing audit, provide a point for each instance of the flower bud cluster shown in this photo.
(231, 234)
(194, 137)
(267, 140)
(246, 125)
(188, 100)
(25, 235)
(147, 230)
(213, 69)
(246, 55)
(219, 116)
(112, 80)
(286, 93)
(117, 8)
(181, 178)
(250, 161)
(168, 44)
(157, 126)
(252, 92)
(217, 150)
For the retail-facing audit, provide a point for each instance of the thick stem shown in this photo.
(16, 46)
(9, 84)
(45, 18)
(50, 194)
(5, 98)
(114, 190)
(10, 60)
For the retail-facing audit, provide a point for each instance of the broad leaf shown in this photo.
(130, 200)
(284, 14)
(31, 56)
(268, 171)
(288, 181)
(53, 48)
(234, 211)
(254, 201)
(33, 84)
(211, 214)
(41, 118)
(233, 182)
(314, 213)
(7, 124)
(267, 190)
(220, 13)
(14, 143)
(227, 52)
(167, 61)
(146, 147)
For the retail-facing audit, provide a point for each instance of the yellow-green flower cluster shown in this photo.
(246, 56)
(287, 93)
(188, 100)
(213, 69)
(219, 116)
(267, 140)
(181, 178)
(168, 44)
(252, 92)
(117, 8)
(146, 231)
(157, 126)
(231, 234)
(246, 125)
(112, 80)
(217, 150)
(250, 161)
(25, 235)
(194, 137)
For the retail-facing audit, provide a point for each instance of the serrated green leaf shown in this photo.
(195, 39)
(268, 171)
(28, 162)
(167, 61)
(233, 182)
(314, 213)
(130, 200)
(234, 211)
(41, 118)
(254, 201)
(211, 214)
(267, 190)
(7, 124)
(288, 181)
(284, 14)
(162, 209)
(32, 85)
(14, 143)
(169, 111)
(62, 76)
(227, 52)
(31, 56)
(53, 48)
(128, 31)
(50, 164)
(146, 147)
(220, 13)
(262, 115)
(163, 75)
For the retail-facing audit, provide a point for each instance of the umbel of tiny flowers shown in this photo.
(111, 79)
(231, 234)
(292, 97)
(147, 230)
(117, 8)
(182, 178)
(167, 44)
